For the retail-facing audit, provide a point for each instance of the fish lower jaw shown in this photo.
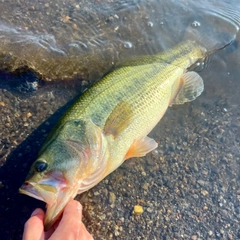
(22, 191)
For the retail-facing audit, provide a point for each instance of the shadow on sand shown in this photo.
(16, 208)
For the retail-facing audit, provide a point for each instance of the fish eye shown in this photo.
(41, 165)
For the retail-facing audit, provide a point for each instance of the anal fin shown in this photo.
(141, 147)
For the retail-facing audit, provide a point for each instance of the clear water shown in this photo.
(65, 40)
(189, 187)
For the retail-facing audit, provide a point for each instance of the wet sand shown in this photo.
(188, 187)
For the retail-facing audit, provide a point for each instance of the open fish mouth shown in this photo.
(56, 199)
(42, 192)
(28, 189)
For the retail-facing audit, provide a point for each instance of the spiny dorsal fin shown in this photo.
(191, 87)
(119, 119)
(141, 147)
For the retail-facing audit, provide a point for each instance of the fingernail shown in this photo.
(35, 212)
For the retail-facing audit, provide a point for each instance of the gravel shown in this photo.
(188, 187)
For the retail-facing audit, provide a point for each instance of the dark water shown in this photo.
(190, 186)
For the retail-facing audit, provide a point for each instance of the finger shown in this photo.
(71, 226)
(49, 233)
(84, 234)
(71, 220)
(33, 228)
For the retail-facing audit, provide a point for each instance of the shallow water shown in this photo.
(65, 40)
(189, 187)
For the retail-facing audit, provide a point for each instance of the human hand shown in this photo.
(70, 226)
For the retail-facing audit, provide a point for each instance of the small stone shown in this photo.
(112, 197)
(137, 210)
(195, 167)
(167, 219)
(201, 182)
(195, 196)
(205, 172)
(194, 237)
(150, 210)
(2, 104)
(84, 83)
(96, 193)
(162, 159)
(145, 186)
(204, 192)
(28, 115)
(205, 207)
(210, 233)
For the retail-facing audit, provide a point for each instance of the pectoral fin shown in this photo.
(141, 147)
(191, 86)
(119, 119)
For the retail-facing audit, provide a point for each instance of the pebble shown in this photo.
(201, 182)
(137, 210)
(112, 197)
(28, 115)
(150, 210)
(145, 186)
(210, 233)
(205, 207)
(204, 192)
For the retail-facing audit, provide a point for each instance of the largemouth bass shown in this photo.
(109, 123)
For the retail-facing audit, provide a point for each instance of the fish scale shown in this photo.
(138, 85)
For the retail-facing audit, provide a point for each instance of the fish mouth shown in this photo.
(28, 189)
(45, 193)
(56, 198)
